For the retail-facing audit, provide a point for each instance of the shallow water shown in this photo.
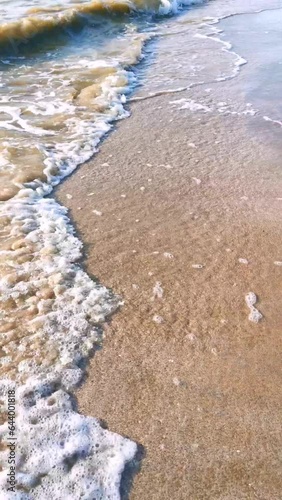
(264, 80)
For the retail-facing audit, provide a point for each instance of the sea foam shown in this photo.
(54, 328)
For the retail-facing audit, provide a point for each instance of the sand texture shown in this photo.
(180, 214)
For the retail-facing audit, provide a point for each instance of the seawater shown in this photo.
(65, 72)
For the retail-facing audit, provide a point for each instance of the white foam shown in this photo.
(191, 105)
(168, 255)
(173, 6)
(197, 181)
(276, 122)
(158, 319)
(158, 291)
(243, 261)
(61, 454)
(251, 299)
(19, 124)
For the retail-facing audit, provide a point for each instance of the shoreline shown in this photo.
(179, 213)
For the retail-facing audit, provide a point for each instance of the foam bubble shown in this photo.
(158, 319)
(168, 255)
(243, 261)
(158, 291)
(191, 105)
(61, 454)
(251, 299)
(197, 181)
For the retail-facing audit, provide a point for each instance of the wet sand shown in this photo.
(166, 209)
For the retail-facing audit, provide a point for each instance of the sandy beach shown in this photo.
(180, 214)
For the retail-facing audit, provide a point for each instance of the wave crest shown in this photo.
(40, 21)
